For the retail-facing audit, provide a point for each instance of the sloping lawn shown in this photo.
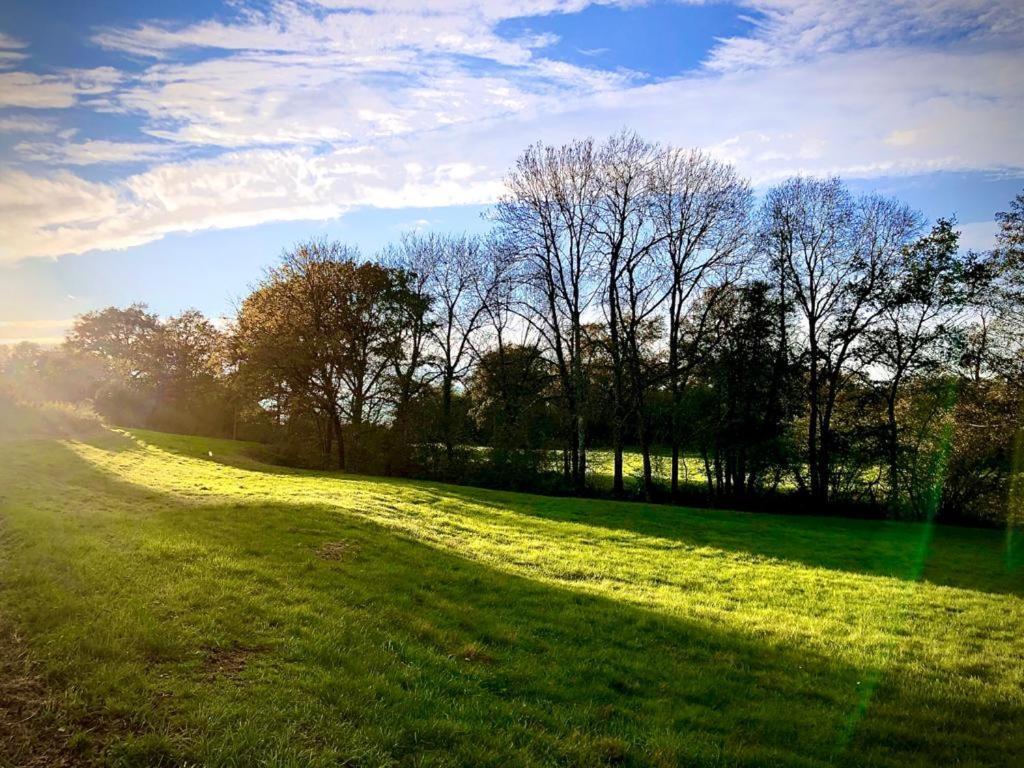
(162, 606)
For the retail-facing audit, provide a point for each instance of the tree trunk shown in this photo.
(617, 384)
(579, 398)
(581, 456)
(825, 460)
(814, 468)
(446, 418)
(675, 468)
(673, 378)
(339, 438)
(617, 484)
(674, 425)
(645, 450)
(892, 438)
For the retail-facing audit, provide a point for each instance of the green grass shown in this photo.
(182, 609)
(601, 470)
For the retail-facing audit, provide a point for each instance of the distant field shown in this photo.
(600, 467)
(162, 606)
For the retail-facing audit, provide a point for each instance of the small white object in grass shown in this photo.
(211, 454)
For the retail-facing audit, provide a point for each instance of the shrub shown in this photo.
(21, 418)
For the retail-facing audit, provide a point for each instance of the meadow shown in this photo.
(600, 469)
(172, 601)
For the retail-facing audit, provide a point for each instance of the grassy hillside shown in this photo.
(168, 601)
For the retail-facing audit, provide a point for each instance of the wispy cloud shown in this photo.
(799, 30)
(11, 53)
(305, 112)
(21, 124)
(94, 152)
(8, 41)
(372, 34)
(29, 90)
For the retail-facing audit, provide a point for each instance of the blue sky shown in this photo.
(168, 153)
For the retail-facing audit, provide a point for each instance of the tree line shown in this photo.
(813, 349)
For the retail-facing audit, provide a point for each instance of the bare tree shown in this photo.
(415, 260)
(627, 237)
(641, 295)
(702, 207)
(549, 214)
(836, 255)
(501, 324)
(460, 283)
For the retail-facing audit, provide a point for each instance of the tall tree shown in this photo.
(411, 367)
(325, 326)
(920, 309)
(627, 237)
(835, 255)
(370, 302)
(123, 338)
(288, 335)
(189, 389)
(510, 389)
(548, 214)
(702, 208)
(742, 429)
(461, 283)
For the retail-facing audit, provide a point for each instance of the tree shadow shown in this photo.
(968, 558)
(946, 555)
(424, 654)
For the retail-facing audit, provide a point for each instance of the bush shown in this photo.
(20, 418)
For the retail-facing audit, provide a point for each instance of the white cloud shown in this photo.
(978, 235)
(400, 104)
(261, 99)
(93, 152)
(9, 59)
(32, 91)
(367, 31)
(29, 90)
(63, 214)
(951, 111)
(19, 124)
(8, 41)
(10, 51)
(792, 30)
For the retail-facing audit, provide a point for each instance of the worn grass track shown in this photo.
(180, 608)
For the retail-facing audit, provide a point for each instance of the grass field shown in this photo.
(601, 469)
(162, 606)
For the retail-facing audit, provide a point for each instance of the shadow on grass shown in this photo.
(969, 558)
(395, 652)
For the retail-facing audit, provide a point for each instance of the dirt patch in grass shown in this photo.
(335, 550)
(475, 654)
(36, 727)
(33, 730)
(31, 733)
(228, 662)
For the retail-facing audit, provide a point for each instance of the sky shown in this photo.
(168, 153)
